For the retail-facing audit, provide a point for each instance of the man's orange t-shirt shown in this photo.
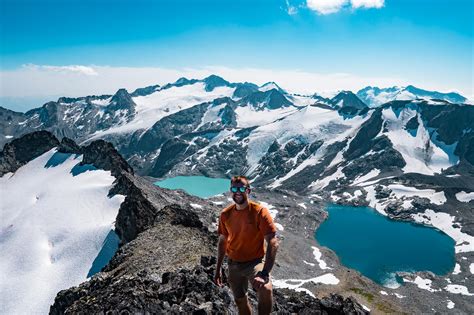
(245, 230)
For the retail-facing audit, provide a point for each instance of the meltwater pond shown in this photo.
(378, 247)
(200, 186)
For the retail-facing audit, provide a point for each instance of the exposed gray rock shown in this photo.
(24, 149)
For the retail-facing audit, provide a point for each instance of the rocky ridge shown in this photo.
(165, 262)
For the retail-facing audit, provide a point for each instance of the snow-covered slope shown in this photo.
(161, 103)
(55, 218)
(419, 152)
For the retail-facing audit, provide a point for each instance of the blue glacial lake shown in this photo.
(200, 186)
(378, 247)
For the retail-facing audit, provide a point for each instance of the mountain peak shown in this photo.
(347, 99)
(270, 86)
(271, 99)
(122, 100)
(214, 81)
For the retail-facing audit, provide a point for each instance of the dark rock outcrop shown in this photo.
(103, 155)
(24, 149)
(182, 292)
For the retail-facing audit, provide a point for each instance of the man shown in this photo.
(243, 227)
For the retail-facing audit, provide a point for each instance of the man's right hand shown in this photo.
(218, 277)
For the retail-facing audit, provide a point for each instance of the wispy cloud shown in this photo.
(77, 69)
(367, 4)
(291, 9)
(325, 7)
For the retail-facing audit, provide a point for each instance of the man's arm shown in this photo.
(221, 247)
(272, 248)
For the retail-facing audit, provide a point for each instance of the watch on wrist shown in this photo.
(263, 274)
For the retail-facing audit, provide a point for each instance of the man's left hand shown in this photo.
(259, 281)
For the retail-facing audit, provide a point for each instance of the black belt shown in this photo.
(234, 262)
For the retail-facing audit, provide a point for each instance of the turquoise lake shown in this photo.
(378, 247)
(200, 186)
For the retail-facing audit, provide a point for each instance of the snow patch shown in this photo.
(308, 263)
(444, 222)
(450, 304)
(401, 191)
(457, 269)
(360, 179)
(424, 284)
(296, 284)
(317, 255)
(458, 289)
(464, 196)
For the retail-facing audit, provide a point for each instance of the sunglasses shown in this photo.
(235, 189)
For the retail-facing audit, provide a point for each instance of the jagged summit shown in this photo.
(271, 85)
(214, 81)
(269, 99)
(145, 91)
(347, 99)
(122, 101)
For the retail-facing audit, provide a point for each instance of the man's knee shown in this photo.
(241, 301)
(265, 289)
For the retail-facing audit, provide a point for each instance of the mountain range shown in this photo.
(407, 152)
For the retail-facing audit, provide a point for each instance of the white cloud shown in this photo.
(326, 6)
(332, 6)
(64, 69)
(367, 3)
(291, 9)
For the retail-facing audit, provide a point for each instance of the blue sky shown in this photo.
(424, 42)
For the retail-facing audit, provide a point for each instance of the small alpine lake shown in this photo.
(200, 186)
(378, 247)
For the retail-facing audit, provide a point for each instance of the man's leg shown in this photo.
(239, 286)
(264, 294)
(243, 305)
(265, 299)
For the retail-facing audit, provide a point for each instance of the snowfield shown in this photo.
(53, 227)
(151, 108)
(419, 152)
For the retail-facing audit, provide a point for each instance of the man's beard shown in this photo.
(239, 201)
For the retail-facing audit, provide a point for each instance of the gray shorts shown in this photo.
(241, 273)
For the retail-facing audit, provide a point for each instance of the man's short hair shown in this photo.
(239, 179)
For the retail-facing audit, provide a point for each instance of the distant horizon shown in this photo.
(25, 103)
